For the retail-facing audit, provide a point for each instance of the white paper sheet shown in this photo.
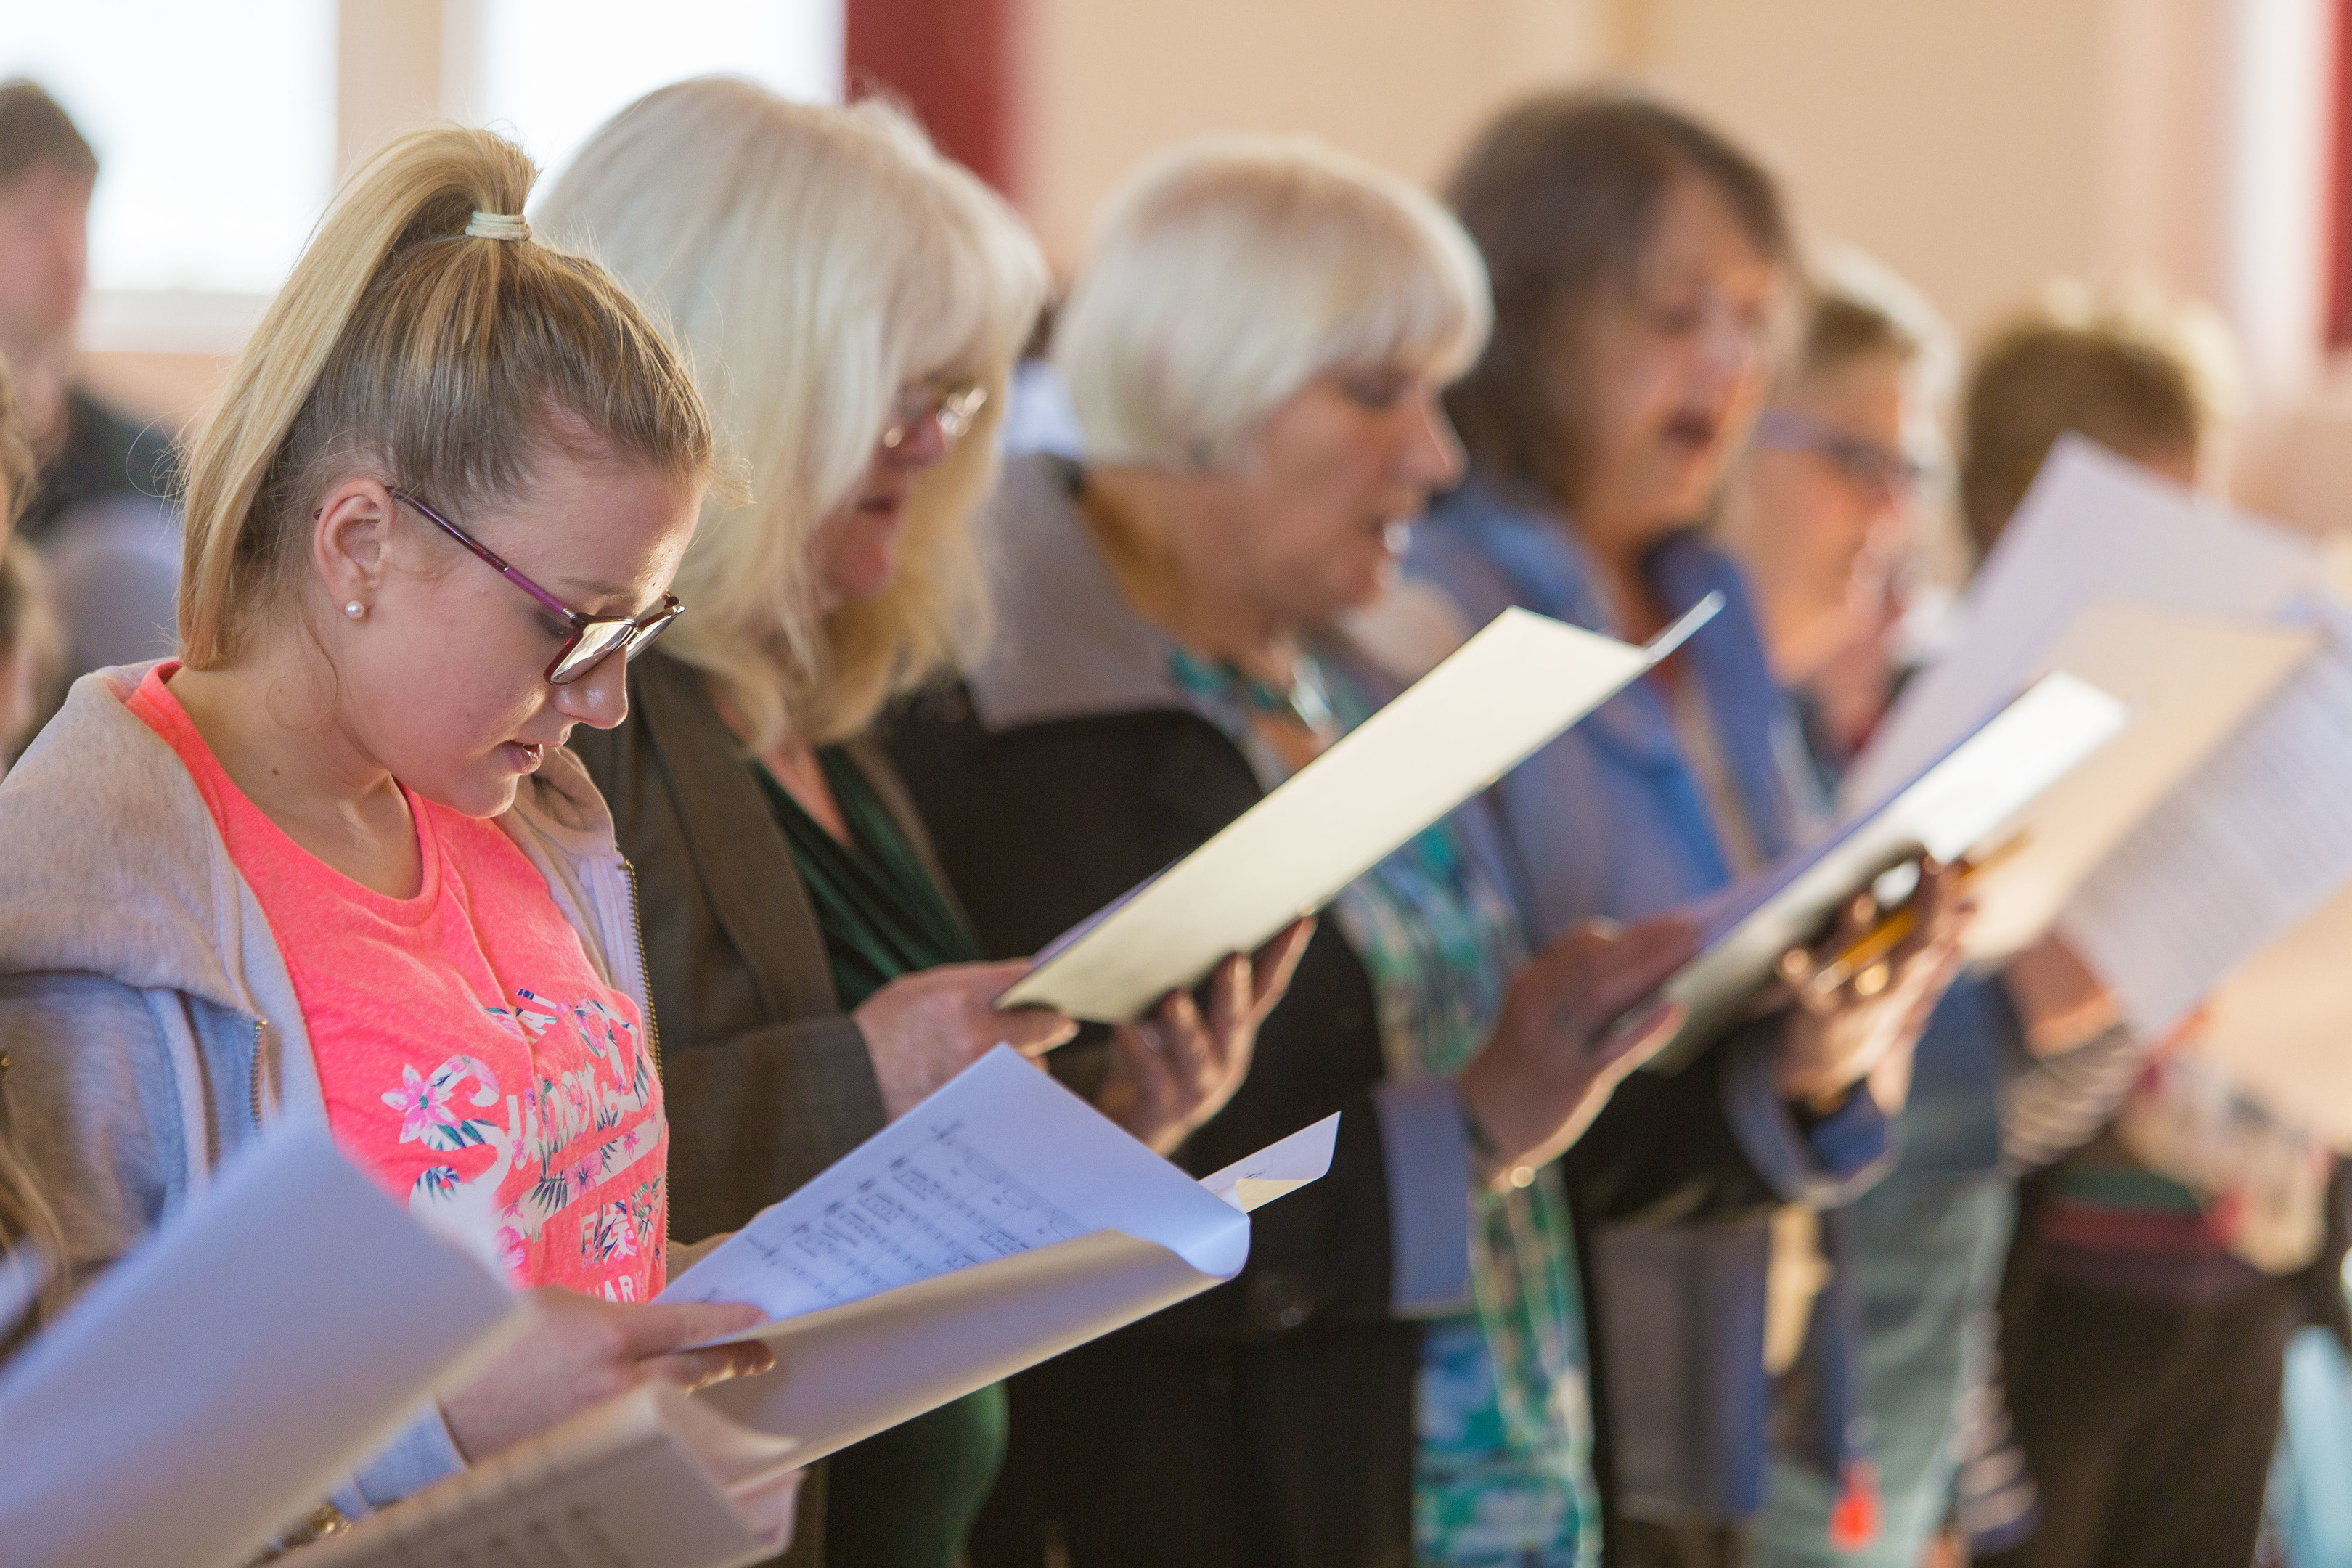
(1278, 1168)
(1958, 803)
(1506, 692)
(1000, 1221)
(2254, 843)
(2093, 528)
(2188, 680)
(217, 1381)
(652, 1479)
(1000, 1161)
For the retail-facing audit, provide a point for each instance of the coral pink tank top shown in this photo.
(472, 1060)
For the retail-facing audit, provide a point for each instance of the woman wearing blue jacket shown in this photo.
(1641, 268)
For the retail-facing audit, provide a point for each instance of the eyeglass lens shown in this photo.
(599, 640)
(954, 408)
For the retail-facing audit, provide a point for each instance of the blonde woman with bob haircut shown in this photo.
(851, 302)
(1255, 350)
(333, 862)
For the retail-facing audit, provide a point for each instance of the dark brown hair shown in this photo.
(2142, 376)
(1563, 195)
(37, 134)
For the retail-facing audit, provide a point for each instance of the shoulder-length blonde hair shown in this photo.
(815, 259)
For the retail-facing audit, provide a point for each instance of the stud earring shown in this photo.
(355, 609)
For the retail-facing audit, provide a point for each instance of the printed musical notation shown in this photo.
(939, 1206)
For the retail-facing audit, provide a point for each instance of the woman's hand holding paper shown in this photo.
(1564, 1041)
(922, 1029)
(1173, 1070)
(1855, 1022)
(577, 1352)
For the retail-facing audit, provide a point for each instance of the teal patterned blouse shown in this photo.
(1503, 1466)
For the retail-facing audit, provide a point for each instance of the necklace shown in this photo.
(1303, 701)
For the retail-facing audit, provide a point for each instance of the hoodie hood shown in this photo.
(115, 867)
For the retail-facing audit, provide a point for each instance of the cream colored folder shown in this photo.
(1518, 682)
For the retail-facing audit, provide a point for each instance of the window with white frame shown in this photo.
(216, 124)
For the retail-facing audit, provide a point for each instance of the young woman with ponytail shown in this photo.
(333, 861)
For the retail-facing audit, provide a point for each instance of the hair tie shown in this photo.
(497, 225)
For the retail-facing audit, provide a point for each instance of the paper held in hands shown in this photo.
(2092, 530)
(1000, 1223)
(1506, 692)
(1958, 803)
(215, 1383)
(2249, 847)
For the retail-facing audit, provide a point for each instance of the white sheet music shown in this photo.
(2093, 529)
(938, 1206)
(1001, 1222)
(213, 1386)
(2252, 845)
(1001, 1161)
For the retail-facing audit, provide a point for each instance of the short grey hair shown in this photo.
(1229, 272)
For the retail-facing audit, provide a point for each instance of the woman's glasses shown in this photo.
(1867, 465)
(593, 638)
(955, 407)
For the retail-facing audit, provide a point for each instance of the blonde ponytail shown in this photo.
(440, 358)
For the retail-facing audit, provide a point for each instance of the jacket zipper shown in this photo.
(645, 985)
(260, 1045)
(644, 970)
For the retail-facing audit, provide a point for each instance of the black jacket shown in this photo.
(1268, 1422)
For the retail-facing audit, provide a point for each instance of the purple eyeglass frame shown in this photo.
(641, 629)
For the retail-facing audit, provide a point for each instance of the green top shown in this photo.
(881, 913)
(905, 1498)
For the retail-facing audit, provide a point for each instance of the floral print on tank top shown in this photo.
(1503, 1464)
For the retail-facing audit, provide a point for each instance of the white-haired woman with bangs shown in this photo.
(852, 303)
(1255, 352)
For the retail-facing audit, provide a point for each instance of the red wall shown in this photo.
(953, 60)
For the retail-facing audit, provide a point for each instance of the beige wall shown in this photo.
(1403, 82)
(1980, 147)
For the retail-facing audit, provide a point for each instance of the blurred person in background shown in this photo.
(27, 1222)
(1819, 510)
(2160, 1267)
(100, 513)
(1643, 272)
(852, 303)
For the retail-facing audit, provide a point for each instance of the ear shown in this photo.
(351, 539)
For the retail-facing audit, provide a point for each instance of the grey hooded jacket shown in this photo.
(147, 1020)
